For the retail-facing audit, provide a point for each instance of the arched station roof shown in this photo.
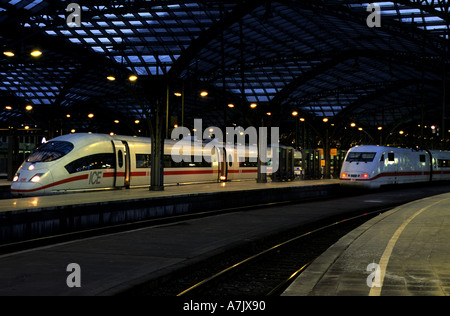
(319, 58)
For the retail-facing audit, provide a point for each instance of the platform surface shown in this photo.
(140, 193)
(403, 252)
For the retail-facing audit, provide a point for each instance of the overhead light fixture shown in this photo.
(137, 122)
(29, 107)
(90, 115)
(8, 53)
(353, 124)
(132, 78)
(8, 107)
(204, 94)
(302, 119)
(269, 113)
(230, 105)
(295, 113)
(253, 105)
(72, 130)
(177, 94)
(111, 78)
(36, 53)
(67, 115)
(325, 119)
(116, 121)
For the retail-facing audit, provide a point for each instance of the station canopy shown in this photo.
(318, 58)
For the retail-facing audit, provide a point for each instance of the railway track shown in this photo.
(99, 231)
(266, 268)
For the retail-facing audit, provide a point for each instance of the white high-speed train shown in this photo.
(83, 162)
(374, 166)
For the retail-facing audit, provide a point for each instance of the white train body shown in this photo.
(375, 166)
(84, 162)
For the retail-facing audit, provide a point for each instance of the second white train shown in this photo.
(374, 166)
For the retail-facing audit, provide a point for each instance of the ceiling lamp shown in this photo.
(90, 115)
(36, 53)
(230, 105)
(132, 78)
(111, 78)
(253, 105)
(204, 94)
(8, 53)
(29, 107)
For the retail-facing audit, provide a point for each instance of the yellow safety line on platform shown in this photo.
(376, 291)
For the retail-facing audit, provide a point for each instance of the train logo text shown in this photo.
(95, 177)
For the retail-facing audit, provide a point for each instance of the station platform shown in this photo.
(102, 196)
(114, 263)
(403, 252)
(36, 217)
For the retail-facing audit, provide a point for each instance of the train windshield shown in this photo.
(50, 151)
(360, 157)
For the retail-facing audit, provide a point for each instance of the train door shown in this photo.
(393, 167)
(223, 166)
(122, 174)
(430, 164)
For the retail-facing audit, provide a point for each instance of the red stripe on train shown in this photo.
(122, 174)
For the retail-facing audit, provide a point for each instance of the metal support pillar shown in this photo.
(262, 150)
(157, 157)
(13, 160)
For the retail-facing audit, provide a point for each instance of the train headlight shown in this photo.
(16, 178)
(36, 177)
(31, 167)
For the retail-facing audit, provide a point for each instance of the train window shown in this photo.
(120, 159)
(443, 163)
(50, 151)
(360, 157)
(143, 161)
(195, 162)
(92, 162)
(230, 160)
(382, 157)
(422, 158)
(391, 157)
(248, 163)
